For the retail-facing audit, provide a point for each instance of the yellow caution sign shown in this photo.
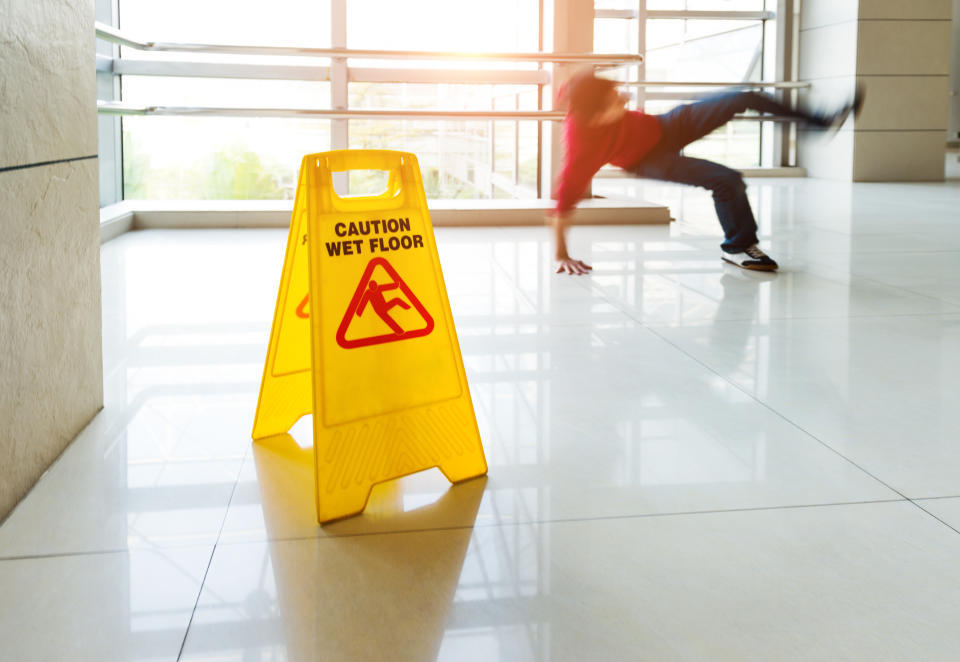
(363, 337)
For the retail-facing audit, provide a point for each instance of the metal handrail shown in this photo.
(118, 67)
(120, 108)
(780, 84)
(314, 73)
(113, 35)
(687, 14)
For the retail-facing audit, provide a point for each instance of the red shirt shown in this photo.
(588, 148)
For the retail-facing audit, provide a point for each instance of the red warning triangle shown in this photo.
(374, 298)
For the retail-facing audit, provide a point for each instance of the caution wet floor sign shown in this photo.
(363, 337)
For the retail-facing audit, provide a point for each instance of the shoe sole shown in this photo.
(859, 96)
(751, 268)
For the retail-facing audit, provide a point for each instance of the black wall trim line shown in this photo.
(46, 163)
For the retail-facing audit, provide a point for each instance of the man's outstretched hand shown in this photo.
(565, 263)
(573, 267)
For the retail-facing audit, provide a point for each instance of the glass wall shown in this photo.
(698, 50)
(503, 26)
(199, 157)
(257, 158)
(459, 159)
(239, 22)
(695, 41)
(217, 158)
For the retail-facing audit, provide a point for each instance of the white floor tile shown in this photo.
(712, 291)
(881, 391)
(104, 495)
(933, 274)
(100, 607)
(865, 582)
(577, 427)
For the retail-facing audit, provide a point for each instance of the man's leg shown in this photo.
(689, 122)
(726, 185)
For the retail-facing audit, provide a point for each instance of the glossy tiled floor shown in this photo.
(687, 461)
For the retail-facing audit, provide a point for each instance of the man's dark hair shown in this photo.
(586, 95)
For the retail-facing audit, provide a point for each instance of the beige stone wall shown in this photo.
(953, 119)
(50, 356)
(899, 51)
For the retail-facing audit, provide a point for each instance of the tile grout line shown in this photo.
(700, 325)
(625, 308)
(942, 521)
(884, 252)
(213, 551)
(539, 522)
(907, 289)
(62, 555)
(795, 318)
(571, 520)
(40, 164)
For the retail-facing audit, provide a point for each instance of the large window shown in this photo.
(444, 25)
(459, 159)
(697, 41)
(194, 155)
(190, 158)
(215, 157)
(257, 158)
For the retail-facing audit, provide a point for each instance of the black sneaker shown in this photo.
(835, 121)
(751, 258)
(858, 96)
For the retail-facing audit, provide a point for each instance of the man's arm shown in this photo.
(573, 181)
(578, 168)
(565, 263)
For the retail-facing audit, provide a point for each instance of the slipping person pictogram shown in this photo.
(370, 295)
(374, 296)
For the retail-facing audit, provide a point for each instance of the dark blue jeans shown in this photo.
(685, 124)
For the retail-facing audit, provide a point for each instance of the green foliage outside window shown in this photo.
(229, 173)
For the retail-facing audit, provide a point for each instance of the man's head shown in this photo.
(594, 101)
